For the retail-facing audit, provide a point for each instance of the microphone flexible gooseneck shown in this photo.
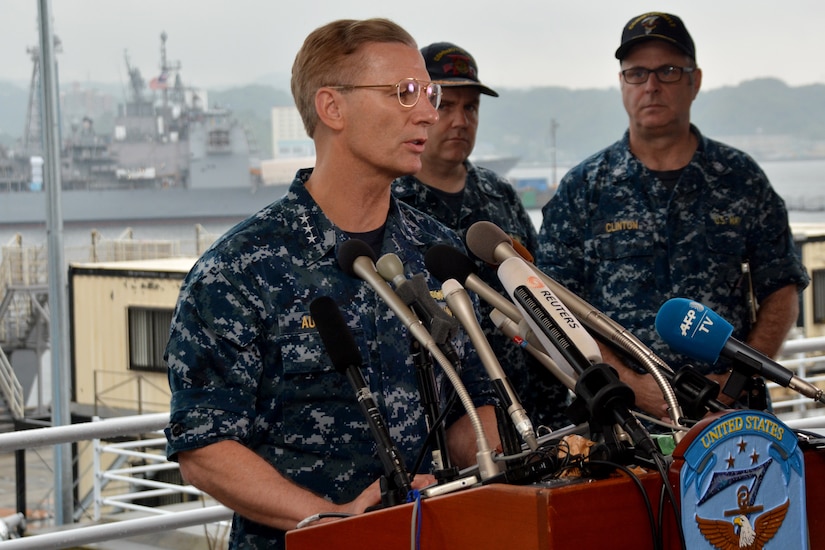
(492, 245)
(356, 258)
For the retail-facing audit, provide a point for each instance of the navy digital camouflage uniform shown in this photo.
(622, 240)
(246, 362)
(489, 197)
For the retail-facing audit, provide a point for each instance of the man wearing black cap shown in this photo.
(666, 212)
(457, 193)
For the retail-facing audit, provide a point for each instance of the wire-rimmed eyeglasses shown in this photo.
(408, 90)
(665, 73)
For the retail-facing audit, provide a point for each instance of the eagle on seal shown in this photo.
(724, 535)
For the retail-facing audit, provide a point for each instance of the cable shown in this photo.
(655, 534)
(315, 517)
(659, 422)
(661, 467)
(414, 496)
(419, 460)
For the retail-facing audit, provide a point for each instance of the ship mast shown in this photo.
(32, 143)
(166, 69)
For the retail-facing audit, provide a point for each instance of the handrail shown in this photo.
(120, 529)
(102, 429)
(10, 387)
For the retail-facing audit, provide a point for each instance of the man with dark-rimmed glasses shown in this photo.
(260, 419)
(666, 212)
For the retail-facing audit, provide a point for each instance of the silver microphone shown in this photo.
(355, 257)
(462, 307)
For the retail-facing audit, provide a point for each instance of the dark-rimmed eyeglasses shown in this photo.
(408, 90)
(665, 73)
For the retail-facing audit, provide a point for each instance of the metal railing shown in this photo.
(120, 391)
(10, 389)
(23, 276)
(805, 357)
(160, 520)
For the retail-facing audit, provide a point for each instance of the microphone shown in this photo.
(462, 307)
(602, 396)
(447, 262)
(563, 336)
(415, 293)
(492, 245)
(529, 342)
(356, 258)
(346, 359)
(695, 330)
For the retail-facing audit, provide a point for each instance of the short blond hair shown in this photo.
(329, 56)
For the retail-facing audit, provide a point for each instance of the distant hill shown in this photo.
(764, 116)
(780, 121)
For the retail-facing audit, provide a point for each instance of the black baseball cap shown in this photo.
(450, 65)
(656, 26)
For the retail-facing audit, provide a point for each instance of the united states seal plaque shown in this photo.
(742, 484)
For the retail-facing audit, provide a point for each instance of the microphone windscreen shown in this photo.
(337, 338)
(349, 251)
(482, 239)
(692, 329)
(447, 262)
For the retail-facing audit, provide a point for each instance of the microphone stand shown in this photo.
(603, 400)
(425, 376)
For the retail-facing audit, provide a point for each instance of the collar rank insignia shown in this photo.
(742, 484)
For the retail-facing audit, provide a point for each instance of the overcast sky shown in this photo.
(517, 43)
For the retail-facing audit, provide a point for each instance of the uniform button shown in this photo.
(177, 429)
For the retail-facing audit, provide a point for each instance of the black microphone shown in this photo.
(695, 330)
(356, 258)
(346, 358)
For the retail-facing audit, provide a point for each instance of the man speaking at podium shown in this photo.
(260, 419)
(666, 212)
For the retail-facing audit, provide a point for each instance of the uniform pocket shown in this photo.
(320, 412)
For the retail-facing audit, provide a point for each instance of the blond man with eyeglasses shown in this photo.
(260, 418)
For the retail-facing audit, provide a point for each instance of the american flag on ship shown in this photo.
(159, 82)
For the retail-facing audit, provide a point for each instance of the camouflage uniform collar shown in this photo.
(478, 177)
(313, 229)
(319, 236)
(707, 157)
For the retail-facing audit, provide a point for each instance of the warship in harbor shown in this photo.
(170, 157)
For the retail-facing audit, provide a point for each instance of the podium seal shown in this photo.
(743, 485)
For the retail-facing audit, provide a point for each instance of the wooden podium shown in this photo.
(607, 513)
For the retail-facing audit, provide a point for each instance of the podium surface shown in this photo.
(606, 513)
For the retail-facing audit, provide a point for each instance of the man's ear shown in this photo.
(328, 105)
